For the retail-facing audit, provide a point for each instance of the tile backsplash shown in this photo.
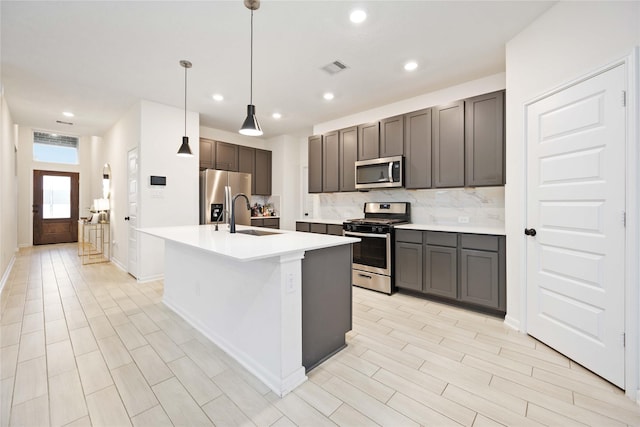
(481, 206)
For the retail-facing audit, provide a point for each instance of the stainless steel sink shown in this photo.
(252, 232)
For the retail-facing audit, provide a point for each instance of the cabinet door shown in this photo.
(207, 151)
(448, 145)
(330, 162)
(441, 271)
(417, 139)
(408, 266)
(484, 139)
(302, 226)
(348, 157)
(392, 136)
(263, 173)
(334, 229)
(315, 164)
(480, 283)
(257, 222)
(226, 156)
(271, 222)
(316, 227)
(368, 141)
(247, 164)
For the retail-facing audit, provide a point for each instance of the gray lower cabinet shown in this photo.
(319, 228)
(466, 268)
(441, 271)
(326, 303)
(408, 266)
(266, 222)
(302, 226)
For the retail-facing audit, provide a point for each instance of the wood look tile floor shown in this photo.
(87, 345)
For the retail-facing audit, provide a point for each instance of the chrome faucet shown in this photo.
(233, 210)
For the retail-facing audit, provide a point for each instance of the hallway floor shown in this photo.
(87, 345)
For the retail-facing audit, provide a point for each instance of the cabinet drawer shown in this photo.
(318, 228)
(482, 242)
(334, 229)
(257, 222)
(442, 238)
(271, 222)
(302, 226)
(411, 236)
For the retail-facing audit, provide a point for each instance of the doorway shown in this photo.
(55, 207)
(576, 200)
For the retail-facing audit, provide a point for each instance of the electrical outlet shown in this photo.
(463, 219)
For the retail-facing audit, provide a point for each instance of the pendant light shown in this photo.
(250, 126)
(184, 150)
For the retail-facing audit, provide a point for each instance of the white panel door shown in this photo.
(132, 212)
(576, 202)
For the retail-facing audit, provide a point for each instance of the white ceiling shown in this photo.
(98, 58)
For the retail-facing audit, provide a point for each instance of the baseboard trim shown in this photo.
(512, 322)
(7, 272)
(150, 278)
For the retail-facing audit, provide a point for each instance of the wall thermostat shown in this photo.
(158, 180)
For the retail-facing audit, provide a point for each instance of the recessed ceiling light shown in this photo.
(411, 65)
(218, 97)
(276, 116)
(67, 114)
(358, 16)
(328, 96)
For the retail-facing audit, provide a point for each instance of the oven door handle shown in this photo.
(355, 234)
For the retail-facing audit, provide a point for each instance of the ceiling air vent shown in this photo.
(334, 67)
(64, 123)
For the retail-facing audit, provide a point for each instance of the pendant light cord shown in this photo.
(251, 66)
(185, 101)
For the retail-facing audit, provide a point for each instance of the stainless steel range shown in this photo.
(374, 255)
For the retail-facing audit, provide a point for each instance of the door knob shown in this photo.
(126, 218)
(530, 231)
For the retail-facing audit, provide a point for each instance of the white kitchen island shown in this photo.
(245, 293)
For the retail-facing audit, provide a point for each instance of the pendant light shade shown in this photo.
(250, 126)
(184, 150)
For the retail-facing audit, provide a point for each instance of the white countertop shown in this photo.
(455, 228)
(245, 247)
(322, 221)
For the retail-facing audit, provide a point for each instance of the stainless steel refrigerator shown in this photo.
(217, 189)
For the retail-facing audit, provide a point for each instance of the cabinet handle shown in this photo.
(364, 275)
(530, 231)
(126, 218)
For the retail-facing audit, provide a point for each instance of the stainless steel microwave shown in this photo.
(379, 173)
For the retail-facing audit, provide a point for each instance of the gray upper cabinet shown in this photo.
(226, 157)
(262, 176)
(315, 164)
(448, 145)
(207, 153)
(392, 136)
(247, 164)
(417, 140)
(330, 162)
(348, 157)
(368, 141)
(484, 139)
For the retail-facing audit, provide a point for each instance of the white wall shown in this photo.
(8, 190)
(161, 131)
(285, 162)
(568, 41)
(26, 166)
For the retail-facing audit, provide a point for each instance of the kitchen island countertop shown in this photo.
(245, 247)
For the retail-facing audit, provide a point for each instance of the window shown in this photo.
(56, 197)
(54, 148)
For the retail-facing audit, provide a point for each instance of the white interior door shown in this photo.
(576, 202)
(132, 211)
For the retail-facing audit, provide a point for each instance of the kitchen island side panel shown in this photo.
(326, 303)
(251, 310)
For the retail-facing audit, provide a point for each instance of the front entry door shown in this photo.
(55, 207)
(575, 203)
